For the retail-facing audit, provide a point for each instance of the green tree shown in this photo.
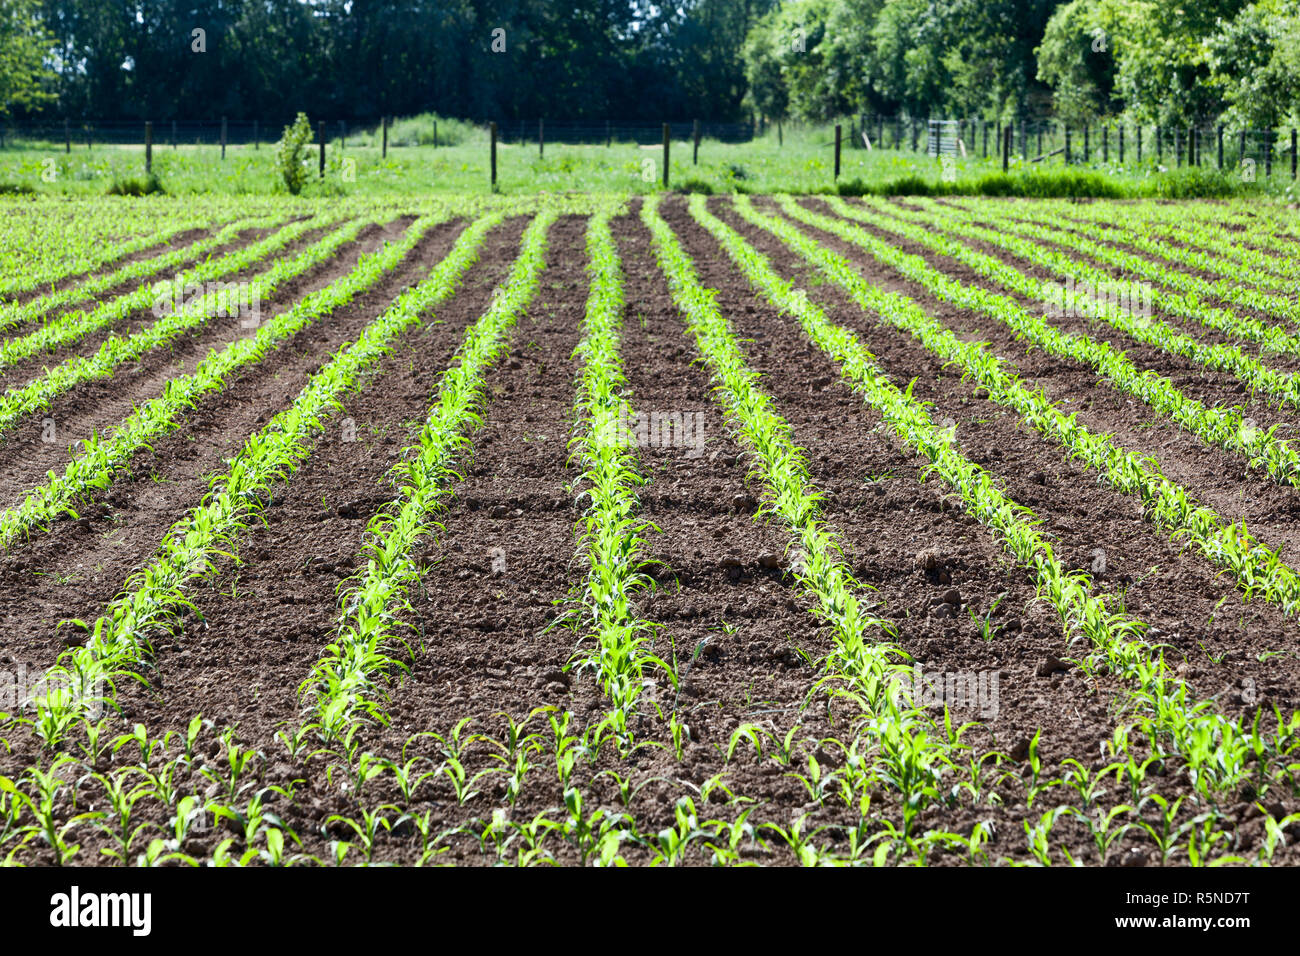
(24, 46)
(1254, 63)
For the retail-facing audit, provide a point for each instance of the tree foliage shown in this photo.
(24, 46)
(1150, 60)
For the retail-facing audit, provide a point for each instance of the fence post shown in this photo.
(915, 132)
(1219, 132)
(257, 136)
(541, 138)
(853, 133)
(148, 148)
(667, 136)
(1087, 145)
(492, 149)
(1105, 145)
(223, 138)
(695, 139)
(780, 135)
(67, 136)
(1139, 142)
(1067, 146)
(1160, 146)
(837, 150)
(1268, 151)
(383, 123)
(1006, 146)
(435, 134)
(1178, 146)
(1121, 142)
(320, 136)
(1293, 163)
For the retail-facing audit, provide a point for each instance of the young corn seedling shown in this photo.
(116, 823)
(348, 683)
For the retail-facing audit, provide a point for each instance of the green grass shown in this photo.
(803, 163)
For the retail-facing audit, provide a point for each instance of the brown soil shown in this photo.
(493, 633)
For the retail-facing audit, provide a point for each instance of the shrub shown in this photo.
(131, 186)
(696, 186)
(418, 131)
(1194, 183)
(290, 154)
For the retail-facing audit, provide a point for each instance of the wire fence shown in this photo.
(1113, 142)
(1252, 151)
(86, 134)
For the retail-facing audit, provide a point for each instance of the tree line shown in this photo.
(1150, 61)
(1147, 61)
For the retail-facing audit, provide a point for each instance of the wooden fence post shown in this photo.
(695, 139)
(1121, 143)
(1067, 145)
(1006, 146)
(223, 139)
(320, 136)
(1293, 162)
(148, 148)
(1268, 152)
(1219, 132)
(67, 136)
(837, 150)
(383, 123)
(492, 132)
(666, 141)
